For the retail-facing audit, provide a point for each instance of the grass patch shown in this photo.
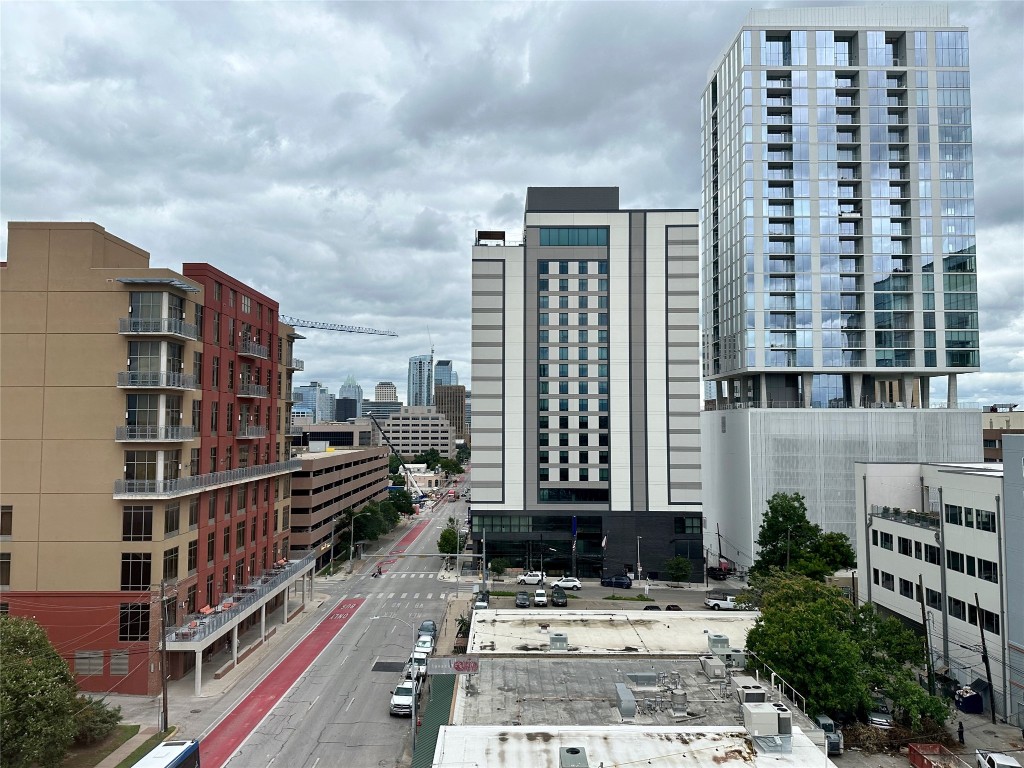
(498, 593)
(93, 754)
(635, 599)
(144, 749)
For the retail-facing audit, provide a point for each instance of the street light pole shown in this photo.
(163, 655)
(639, 570)
(351, 536)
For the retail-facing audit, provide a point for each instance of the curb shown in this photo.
(114, 758)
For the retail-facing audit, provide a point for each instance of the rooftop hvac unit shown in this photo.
(733, 657)
(747, 689)
(558, 641)
(718, 642)
(572, 757)
(760, 719)
(713, 667)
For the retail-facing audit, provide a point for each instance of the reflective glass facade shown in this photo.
(838, 209)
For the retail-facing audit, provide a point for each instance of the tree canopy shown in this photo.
(462, 454)
(451, 466)
(788, 540)
(431, 458)
(37, 697)
(835, 654)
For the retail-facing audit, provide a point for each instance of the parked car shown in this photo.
(567, 582)
(531, 577)
(522, 599)
(428, 627)
(717, 602)
(833, 736)
(558, 598)
(880, 716)
(718, 574)
(540, 597)
(424, 644)
(672, 607)
(483, 600)
(403, 696)
(618, 580)
(418, 661)
(652, 607)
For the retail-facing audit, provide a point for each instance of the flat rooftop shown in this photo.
(529, 747)
(645, 633)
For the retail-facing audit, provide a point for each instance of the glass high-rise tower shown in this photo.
(838, 209)
(420, 385)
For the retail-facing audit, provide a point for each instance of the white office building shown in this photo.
(586, 386)
(940, 533)
(838, 254)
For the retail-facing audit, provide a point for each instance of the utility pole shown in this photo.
(927, 634)
(163, 654)
(984, 657)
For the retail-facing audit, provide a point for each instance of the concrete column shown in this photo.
(806, 379)
(263, 621)
(763, 389)
(284, 611)
(951, 396)
(926, 391)
(234, 644)
(856, 387)
(199, 671)
(907, 389)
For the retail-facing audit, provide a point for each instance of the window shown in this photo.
(246, 304)
(193, 513)
(226, 541)
(906, 588)
(957, 609)
(133, 622)
(171, 564)
(932, 554)
(542, 474)
(563, 457)
(689, 525)
(904, 546)
(988, 570)
(933, 599)
(6, 520)
(215, 373)
(240, 534)
(573, 236)
(136, 571)
(954, 560)
(172, 515)
(88, 662)
(193, 555)
(119, 663)
(584, 474)
(986, 521)
(563, 474)
(211, 545)
(5, 569)
(917, 550)
(954, 515)
(888, 581)
(990, 621)
(136, 523)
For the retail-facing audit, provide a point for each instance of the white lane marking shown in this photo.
(316, 762)
(313, 702)
(350, 703)
(430, 596)
(416, 596)
(391, 595)
(403, 596)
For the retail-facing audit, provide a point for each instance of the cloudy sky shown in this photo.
(340, 156)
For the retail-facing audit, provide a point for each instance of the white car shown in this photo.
(424, 644)
(567, 582)
(403, 698)
(540, 597)
(531, 577)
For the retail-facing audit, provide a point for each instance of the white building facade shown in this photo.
(937, 534)
(586, 386)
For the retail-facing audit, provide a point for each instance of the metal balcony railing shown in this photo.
(252, 390)
(185, 485)
(160, 326)
(157, 379)
(252, 349)
(294, 363)
(250, 431)
(153, 434)
(294, 431)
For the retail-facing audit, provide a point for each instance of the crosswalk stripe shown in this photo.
(390, 595)
(416, 596)
(403, 596)
(430, 595)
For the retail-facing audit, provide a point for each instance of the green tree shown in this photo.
(431, 458)
(499, 565)
(37, 697)
(394, 464)
(462, 454)
(448, 542)
(788, 540)
(401, 500)
(94, 720)
(451, 466)
(679, 569)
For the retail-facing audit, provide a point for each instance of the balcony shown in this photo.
(159, 326)
(156, 380)
(153, 434)
(252, 349)
(295, 431)
(250, 432)
(779, 101)
(776, 267)
(297, 364)
(253, 390)
(183, 486)
(780, 230)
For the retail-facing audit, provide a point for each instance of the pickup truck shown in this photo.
(720, 602)
(986, 759)
(404, 697)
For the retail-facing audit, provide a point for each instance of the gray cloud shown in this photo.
(339, 157)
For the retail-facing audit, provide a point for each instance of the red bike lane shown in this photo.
(230, 733)
(405, 541)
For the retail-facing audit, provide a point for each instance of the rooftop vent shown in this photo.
(572, 757)
(558, 641)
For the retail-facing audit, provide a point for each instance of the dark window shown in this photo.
(172, 518)
(957, 609)
(888, 581)
(193, 555)
(6, 520)
(933, 599)
(136, 523)
(211, 545)
(134, 622)
(904, 546)
(171, 564)
(136, 571)
(5, 569)
(932, 554)
(906, 588)
(954, 560)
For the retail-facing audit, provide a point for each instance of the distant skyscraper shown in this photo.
(420, 389)
(385, 392)
(451, 401)
(351, 390)
(317, 399)
(838, 252)
(444, 374)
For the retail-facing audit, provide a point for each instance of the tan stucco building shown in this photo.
(143, 444)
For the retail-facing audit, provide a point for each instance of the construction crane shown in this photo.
(316, 324)
(410, 479)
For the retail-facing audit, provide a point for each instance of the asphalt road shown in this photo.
(336, 712)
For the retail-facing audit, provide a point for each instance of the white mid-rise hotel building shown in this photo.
(586, 387)
(838, 250)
